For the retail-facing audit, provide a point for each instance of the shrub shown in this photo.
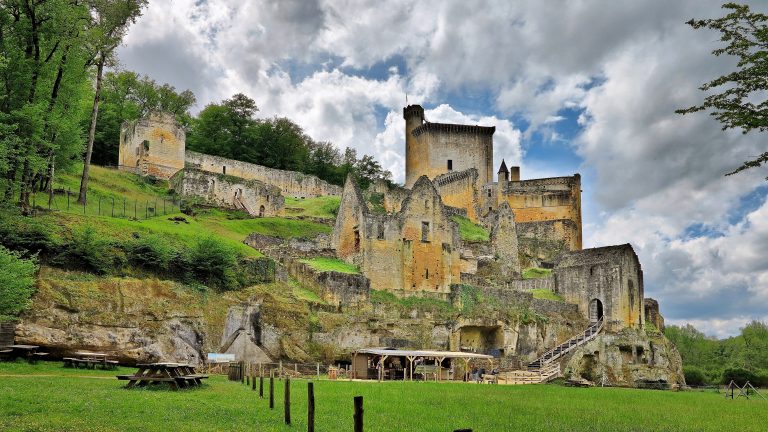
(17, 281)
(738, 375)
(23, 233)
(151, 252)
(694, 376)
(89, 252)
(214, 263)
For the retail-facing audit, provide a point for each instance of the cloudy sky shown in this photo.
(572, 86)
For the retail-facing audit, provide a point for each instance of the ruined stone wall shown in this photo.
(458, 189)
(341, 290)
(393, 195)
(547, 200)
(504, 241)
(415, 250)
(652, 314)
(429, 147)
(255, 197)
(610, 277)
(543, 241)
(152, 146)
(291, 183)
(350, 219)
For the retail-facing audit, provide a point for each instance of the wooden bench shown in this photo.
(77, 362)
(36, 356)
(5, 354)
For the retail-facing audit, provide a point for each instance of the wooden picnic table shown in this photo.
(29, 352)
(175, 374)
(89, 359)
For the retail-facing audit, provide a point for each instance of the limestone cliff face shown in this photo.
(134, 320)
(629, 358)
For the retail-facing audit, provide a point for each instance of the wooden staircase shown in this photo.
(542, 375)
(564, 348)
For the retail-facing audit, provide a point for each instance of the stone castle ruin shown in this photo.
(406, 242)
(156, 146)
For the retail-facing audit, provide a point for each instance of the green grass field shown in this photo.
(324, 207)
(535, 273)
(47, 397)
(107, 185)
(331, 264)
(546, 295)
(470, 231)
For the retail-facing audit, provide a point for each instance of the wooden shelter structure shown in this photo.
(390, 363)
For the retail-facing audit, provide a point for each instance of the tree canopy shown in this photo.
(716, 360)
(231, 129)
(742, 102)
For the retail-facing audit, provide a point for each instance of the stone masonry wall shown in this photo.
(607, 278)
(415, 250)
(341, 290)
(152, 146)
(547, 200)
(291, 183)
(429, 147)
(457, 189)
(255, 197)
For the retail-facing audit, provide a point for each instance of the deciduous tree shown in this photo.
(740, 101)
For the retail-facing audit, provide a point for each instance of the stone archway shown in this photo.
(261, 211)
(595, 310)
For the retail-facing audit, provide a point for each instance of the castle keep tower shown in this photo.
(432, 149)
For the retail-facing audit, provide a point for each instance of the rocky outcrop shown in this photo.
(246, 335)
(628, 358)
(134, 320)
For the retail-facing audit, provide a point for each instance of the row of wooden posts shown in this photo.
(237, 373)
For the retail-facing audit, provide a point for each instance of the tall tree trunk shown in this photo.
(83, 198)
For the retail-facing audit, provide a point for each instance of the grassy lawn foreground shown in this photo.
(67, 402)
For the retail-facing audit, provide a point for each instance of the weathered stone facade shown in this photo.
(252, 196)
(291, 183)
(504, 241)
(652, 314)
(415, 250)
(432, 149)
(604, 282)
(152, 146)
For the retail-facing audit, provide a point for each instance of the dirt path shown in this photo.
(52, 376)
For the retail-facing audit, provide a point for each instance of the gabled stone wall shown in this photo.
(152, 146)
(415, 250)
(608, 279)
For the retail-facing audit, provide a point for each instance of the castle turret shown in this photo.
(415, 152)
(503, 172)
(514, 173)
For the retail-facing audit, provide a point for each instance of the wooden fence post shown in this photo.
(358, 414)
(253, 381)
(318, 370)
(272, 390)
(242, 372)
(310, 407)
(287, 400)
(261, 386)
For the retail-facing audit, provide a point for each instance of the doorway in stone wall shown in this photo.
(261, 211)
(595, 310)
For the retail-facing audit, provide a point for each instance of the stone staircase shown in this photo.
(564, 348)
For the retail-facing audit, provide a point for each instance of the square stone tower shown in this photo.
(432, 149)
